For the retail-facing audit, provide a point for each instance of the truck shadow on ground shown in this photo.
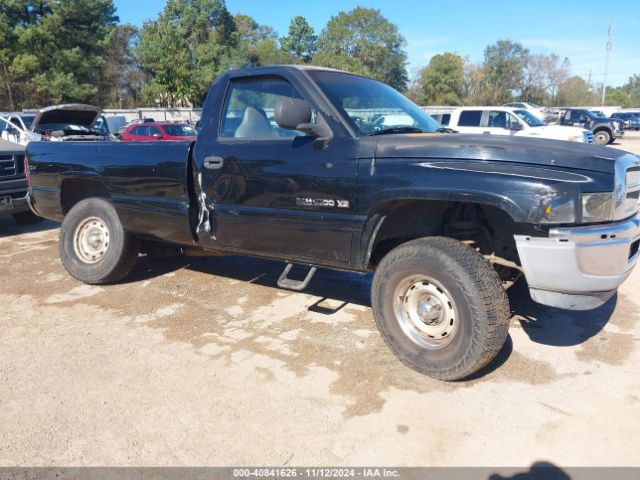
(556, 327)
(337, 290)
(544, 325)
(9, 228)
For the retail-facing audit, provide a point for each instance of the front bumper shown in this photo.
(579, 268)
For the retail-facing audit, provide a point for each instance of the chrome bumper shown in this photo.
(579, 268)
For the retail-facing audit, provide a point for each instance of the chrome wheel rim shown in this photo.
(425, 311)
(91, 240)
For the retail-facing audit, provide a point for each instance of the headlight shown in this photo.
(596, 207)
(576, 138)
(554, 209)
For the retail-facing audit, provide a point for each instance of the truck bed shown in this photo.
(146, 182)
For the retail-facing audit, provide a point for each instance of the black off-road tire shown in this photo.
(476, 293)
(26, 218)
(602, 137)
(121, 251)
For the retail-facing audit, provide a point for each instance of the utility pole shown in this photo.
(606, 64)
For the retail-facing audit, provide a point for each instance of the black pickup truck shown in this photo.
(605, 130)
(14, 184)
(293, 163)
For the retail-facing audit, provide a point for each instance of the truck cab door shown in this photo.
(270, 191)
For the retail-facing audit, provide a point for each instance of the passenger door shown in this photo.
(273, 191)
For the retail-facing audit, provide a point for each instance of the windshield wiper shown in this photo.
(390, 130)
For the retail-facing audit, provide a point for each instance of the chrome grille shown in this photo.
(8, 166)
(626, 195)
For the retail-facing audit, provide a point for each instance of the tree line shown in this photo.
(56, 51)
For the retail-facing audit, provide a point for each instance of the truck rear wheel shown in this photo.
(602, 137)
(440, 307)
(94, 246)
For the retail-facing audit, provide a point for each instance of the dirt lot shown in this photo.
(206, 362)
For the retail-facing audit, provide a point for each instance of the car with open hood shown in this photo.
(294, 163)
(68, 122)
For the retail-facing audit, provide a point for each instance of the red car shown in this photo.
(156, 131)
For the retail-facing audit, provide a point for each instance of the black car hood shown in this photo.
(496, 148)
(72, 114)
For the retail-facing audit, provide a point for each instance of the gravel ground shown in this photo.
(206, 362)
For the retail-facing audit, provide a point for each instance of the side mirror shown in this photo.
(295, 114)
(157, 136)
(516, 126)
(11, 130)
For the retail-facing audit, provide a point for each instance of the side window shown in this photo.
(137, 131)
(250, 106)
(511, 121)
(470, 118)
(151, 131)
(497, 119)
(446, 118)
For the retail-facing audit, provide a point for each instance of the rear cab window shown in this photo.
(250, 105)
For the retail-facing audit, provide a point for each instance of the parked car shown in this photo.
(604, 130)
(14, 127)
(151, 132)
(446, 222)
(68, 123)
(513, 122)
(541, 112)
(14, 184)
(631, 120)
(442, 118)
(110, 126)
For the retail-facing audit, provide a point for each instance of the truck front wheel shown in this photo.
(94, 246)
(602, 137)
(440, 307)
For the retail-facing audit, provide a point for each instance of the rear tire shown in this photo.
(440, 307)
(602, 137)
(26, 218)
(94, 246)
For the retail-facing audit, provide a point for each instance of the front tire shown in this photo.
(440, 307)
(602, 137)
(94, 246)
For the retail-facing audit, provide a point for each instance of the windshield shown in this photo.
(370, 106)
(179, 131)
(529, 118)
(28, 120)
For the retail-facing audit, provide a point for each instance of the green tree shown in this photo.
(184, 49)
(503, 66)
(56, 50)
(442, 81)
(121, 81)
(257, 43)
(363, 41)
(575, 91)
(301, 43)
(632, 87)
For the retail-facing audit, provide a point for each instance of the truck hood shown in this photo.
(496, 148)
(72, 113)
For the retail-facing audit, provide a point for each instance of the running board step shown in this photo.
(298, 285)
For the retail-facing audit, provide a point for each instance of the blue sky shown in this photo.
(575, 29)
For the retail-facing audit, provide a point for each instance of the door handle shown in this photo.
(213, 163)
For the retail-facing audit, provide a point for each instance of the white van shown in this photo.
(512, 121)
